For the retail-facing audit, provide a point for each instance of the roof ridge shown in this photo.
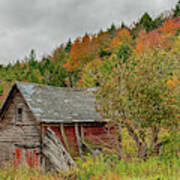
(45, 85)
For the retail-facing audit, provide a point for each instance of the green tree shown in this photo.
(123, 25)
(112, 29)
(104, 53)
(147, 22)
(177, 9)
(142, 96)
(124, 52)
(68, 46)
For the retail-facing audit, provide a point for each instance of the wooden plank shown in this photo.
(64, 137)
(55, 152)
(82, 132)
(78, 140)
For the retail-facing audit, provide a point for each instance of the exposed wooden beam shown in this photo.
(78, 140)
(64, 137)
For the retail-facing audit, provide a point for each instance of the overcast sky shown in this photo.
(44, 24)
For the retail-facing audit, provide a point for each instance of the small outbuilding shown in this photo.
(30, 109)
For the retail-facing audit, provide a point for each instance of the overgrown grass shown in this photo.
(104, 168)
(110, 168)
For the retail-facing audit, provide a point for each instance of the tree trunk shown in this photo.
(142, 151)
(141, 145)
(155, 144)
(119, 144)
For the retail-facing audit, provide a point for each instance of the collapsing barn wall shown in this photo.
(54, 151)
(68, 134)
(19, 141)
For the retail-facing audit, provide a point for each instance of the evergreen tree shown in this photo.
(112, 29)
(158, 21)
(177, 10)
(147, 22)
(124, 52)
(68, 46)
(123, 25)
(32, 59)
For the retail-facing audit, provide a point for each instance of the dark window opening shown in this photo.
(19, 114)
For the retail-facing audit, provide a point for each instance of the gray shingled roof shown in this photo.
(55, 104)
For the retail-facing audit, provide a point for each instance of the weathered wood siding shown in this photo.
(18, 140)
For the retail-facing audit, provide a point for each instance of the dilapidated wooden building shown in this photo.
(30, 109)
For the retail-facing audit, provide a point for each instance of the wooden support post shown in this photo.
(64, 137)
(82, 132)
(42, 129)
(78, 140)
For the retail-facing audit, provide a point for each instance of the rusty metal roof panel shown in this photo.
(56, 103)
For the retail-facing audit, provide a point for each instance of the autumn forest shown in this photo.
(136, 70)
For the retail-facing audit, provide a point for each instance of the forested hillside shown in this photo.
(137, 72)
(84, 62)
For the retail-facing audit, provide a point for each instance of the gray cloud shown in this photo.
(42, 24)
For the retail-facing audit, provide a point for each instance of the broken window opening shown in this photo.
(19, 114)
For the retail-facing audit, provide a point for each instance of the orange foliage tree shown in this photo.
(163, 37)
(122, 36)
(80, 53)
